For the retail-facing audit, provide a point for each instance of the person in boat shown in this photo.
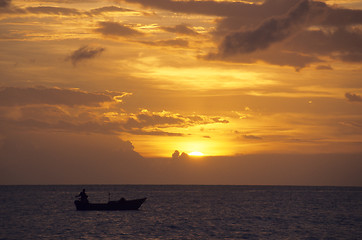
(83, 196)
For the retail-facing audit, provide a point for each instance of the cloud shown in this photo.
(305, 34)
(75, 111)
(324, 67)
(85, 52)
(40, 158)
(178, 42)
(109, 9)
(198, 7)
(177, 156)
(181, 29)
(293, 33)
(252, 137)
(116, 29)
(8, 8)
(237, 15)
(342, 43)
(53, 10)
(58, 157)
(271, 31)
(5, 3)
(341, 17)
(165, 119)
(153, 132)
(13, 96)
(352, 97)
(351, 57)
(251, 32)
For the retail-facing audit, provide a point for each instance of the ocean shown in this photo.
(183, 212)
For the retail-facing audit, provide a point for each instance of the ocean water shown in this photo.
(183, 212)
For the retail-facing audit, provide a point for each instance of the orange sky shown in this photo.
(106, 92)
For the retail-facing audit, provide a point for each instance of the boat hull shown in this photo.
(110, 206)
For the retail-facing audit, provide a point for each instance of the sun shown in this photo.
(196, 154)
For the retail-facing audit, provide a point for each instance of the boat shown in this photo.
(121, 204)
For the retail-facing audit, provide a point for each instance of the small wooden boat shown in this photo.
(122, 204)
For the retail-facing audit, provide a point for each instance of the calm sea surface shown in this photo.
(183, 212)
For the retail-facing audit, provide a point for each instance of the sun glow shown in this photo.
(196, 154)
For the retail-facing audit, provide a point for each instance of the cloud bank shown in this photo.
(8, 8)
(68, 110)
(293, 33)
(13, 96)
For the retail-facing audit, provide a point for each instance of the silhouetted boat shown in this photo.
(122, 204)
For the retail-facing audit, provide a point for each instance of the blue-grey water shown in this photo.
(183, 212)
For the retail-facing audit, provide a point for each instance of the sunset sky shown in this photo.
(181, 92)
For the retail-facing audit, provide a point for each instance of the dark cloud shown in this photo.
(65, 1)
(281, 32)
(352, 97)
(219, 120)
(53, 10)
(177, 156)
(178, 42)
(68, 110)
(58, 158)
(78, 120)
(289, 40)
(109, 9)
(40, 158)
(55, 109)
(238, 15)
(271, 31)
(152, 119)
(8, 8)
(165, 119)
(252, 137)
(351, 57)
(116, 29)
(198, 7)
(252, 32)
(5, 3)
(342, 17)
(85, 52)
(340, 43)
(271, 56)
(324, 67)
(234, 15)
(153, 133)
(12, 96)
(181, 29)
(293, 33)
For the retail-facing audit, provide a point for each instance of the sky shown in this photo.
(235, 92)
